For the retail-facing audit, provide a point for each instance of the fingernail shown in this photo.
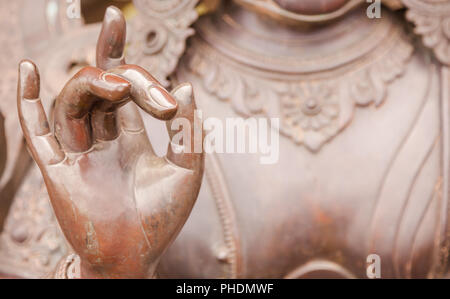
(162, 97)
(112, 13)
(183, 94)
(115, 79)
(120, 84)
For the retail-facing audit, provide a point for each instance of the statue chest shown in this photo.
(369, 180)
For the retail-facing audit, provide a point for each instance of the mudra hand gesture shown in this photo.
(118, 204)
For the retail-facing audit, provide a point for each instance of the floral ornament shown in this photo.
(157, 35)
(310, 113)
(432, 21)
(313, 105)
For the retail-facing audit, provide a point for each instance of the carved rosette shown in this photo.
(157, 35)
(313, 107)
(310, 111)
(432, 21)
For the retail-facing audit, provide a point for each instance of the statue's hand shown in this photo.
(118, 204)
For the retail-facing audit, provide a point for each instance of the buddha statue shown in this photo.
(362, 168)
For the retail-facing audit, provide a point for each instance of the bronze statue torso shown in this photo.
(361, 175)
